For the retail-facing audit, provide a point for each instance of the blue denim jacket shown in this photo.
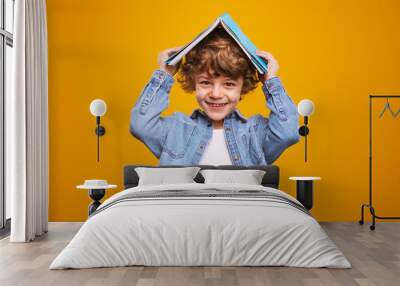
(180, 139)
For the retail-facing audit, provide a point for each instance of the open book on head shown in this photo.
(227, 23)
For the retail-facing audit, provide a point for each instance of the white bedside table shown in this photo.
(97, 190)
(304, 190)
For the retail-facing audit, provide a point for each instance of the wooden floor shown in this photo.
(375, 257)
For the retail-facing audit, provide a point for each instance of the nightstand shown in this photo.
(97, 190)
(304, 190)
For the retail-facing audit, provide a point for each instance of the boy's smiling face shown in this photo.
(217, 95)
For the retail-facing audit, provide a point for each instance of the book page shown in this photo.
(180, 54)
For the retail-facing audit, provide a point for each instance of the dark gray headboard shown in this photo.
(270, 179)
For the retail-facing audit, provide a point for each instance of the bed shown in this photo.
(201, 224)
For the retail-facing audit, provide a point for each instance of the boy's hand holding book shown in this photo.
(163, 56)
(273, 65)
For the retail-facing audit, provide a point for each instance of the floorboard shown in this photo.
(374, 255)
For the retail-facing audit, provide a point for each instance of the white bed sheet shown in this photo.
(200, 231)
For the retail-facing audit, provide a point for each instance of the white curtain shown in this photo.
(27, 123)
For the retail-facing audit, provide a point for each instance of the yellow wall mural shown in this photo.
(335, 53)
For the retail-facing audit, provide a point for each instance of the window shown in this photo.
(6, 60)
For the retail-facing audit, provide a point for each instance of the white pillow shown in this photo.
(249, 177)
(163, 176)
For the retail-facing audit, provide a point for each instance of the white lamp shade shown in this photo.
(98, 107)
(305, 107)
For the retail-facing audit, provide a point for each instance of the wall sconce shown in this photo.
(305, 108)
(98, 108)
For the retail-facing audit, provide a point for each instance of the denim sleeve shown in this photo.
(146, 124)
(280, 129)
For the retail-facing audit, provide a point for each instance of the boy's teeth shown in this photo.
(217, 104)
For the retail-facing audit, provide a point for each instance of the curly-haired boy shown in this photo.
(220, 74)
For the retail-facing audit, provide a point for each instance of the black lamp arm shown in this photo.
(100, 131)
(303, 131)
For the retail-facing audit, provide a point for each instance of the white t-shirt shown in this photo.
(216, 152)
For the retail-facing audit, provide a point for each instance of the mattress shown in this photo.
(201, 225)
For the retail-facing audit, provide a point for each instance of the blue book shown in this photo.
(232, 29)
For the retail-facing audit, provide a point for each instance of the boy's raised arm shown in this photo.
(280, 129)
(146, 124)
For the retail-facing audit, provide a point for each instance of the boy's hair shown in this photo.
(218, 54)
